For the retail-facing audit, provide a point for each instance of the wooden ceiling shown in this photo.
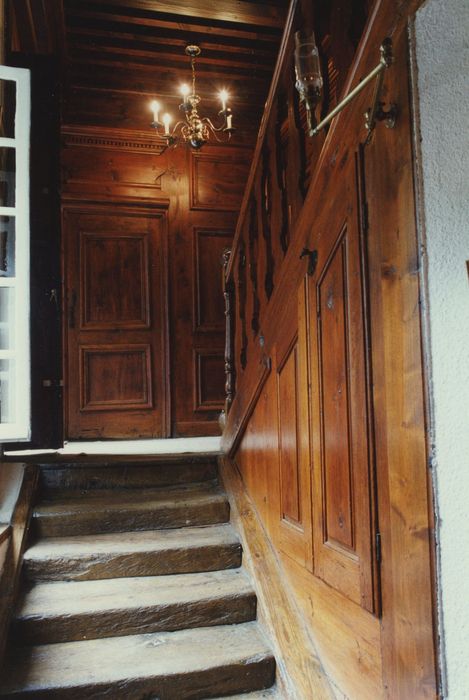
(138, 45)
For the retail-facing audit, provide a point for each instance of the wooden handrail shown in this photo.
(262, 132)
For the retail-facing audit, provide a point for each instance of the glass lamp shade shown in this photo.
(307, 65)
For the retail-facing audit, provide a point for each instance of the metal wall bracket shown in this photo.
(312, 260)
(375, 112)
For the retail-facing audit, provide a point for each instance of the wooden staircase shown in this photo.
(132, 588)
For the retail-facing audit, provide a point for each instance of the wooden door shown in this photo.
(344, 528)
(115, 262)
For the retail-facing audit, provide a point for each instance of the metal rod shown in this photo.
(376, 71)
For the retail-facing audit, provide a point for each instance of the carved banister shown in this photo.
(230, 370)
(282, 56)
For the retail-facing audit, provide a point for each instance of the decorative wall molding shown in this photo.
(112, 139)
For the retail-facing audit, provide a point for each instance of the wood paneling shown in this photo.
(291, 361)
(300, 671)
(115, 377)
(290, 507)
(117, 329)
(112, 60)
(122, 166)
(209, 381)
(369, 608)
(343, 472)
(402, 465)
(111, 163)
(242, 11)
(218, 178)
(111, 264)
(209, 246)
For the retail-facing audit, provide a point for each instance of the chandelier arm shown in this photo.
(208, 121)
(221, 140)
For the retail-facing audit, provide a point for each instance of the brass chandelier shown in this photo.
(193, 129)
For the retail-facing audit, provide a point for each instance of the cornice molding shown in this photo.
(111, 139)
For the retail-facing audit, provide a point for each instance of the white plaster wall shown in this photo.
(441, 31)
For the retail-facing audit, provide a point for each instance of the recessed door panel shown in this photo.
(116, 307)
(289, 438)
(294, 435)
(112, 264)
(115, 377)
(343, 470)
(334, 366)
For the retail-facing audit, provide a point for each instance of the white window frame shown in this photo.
(20, 376)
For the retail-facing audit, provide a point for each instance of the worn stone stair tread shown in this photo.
(132, 510)
(59, 612)
(128, 554)
(270, 693)
(196, 663)
(68, 497)
(59, 477)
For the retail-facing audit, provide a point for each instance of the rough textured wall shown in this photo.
(442, 63)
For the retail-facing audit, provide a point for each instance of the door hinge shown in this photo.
(378, 547)
(365, 217)
(55, 383)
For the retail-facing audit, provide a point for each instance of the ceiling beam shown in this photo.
(82, 49)
(157, 40)
(77, 13)
(114, 58)
(236, 11)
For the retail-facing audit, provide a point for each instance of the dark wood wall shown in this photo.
(326, 417)
(201, 193)
(112, 60)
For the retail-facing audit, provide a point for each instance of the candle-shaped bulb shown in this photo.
(155, 108)
(223, 94)
(229, 120)
(185, 90)
(166, 122)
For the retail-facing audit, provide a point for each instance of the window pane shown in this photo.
(7, 108)
(7, 318)
(7, 391)
(7, 177)
(7, 246)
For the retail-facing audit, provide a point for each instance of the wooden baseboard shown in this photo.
(202, 428)
(300, 674)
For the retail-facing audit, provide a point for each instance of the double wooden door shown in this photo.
(116, 337)
(327, 513)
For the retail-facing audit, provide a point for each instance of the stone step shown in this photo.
(268, 694)
(129, 554)
(131, 509)
(129, 475)
(71, 611)
(182, 665)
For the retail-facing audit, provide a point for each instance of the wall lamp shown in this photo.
(308, 76)
(309, 85)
